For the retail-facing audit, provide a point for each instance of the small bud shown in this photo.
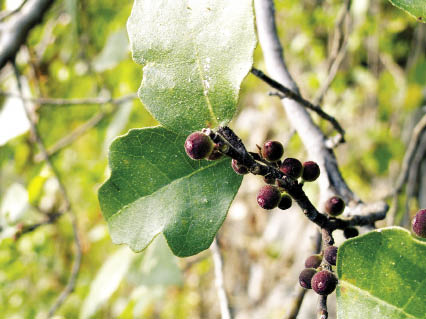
(324, 282)
(238, 168)
(305, 277)
(269, 180)
(215, 154)
(272, 151)
(330, 255)
(350, 232)
(419, 223)
(268, 197)
(311, 171)
(313, 261)
(334, 206)
(291, 167)
(285, 202)
(198, 146)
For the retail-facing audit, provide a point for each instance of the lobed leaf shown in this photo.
(155, 187)
(195, 55)
(382, 274)
(416, 8)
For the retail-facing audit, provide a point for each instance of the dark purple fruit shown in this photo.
(238, 168)
(291, 167)
(305, 277)
(330, 255)
(313, 261)
(198, 146)
(269, 180)
(268, 197)
(285, 202)
(350, 232)
(324, 282)
(419, 223)
(334, 206)
(311, 171)
(272, 151)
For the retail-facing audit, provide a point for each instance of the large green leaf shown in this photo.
(417, 8)
(195, 55)
(382, 275)
(155, 187)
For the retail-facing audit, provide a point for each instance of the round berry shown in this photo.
(305, 277)
(291, 167)
(268, 197)
(313, 261)
(285, 202)
(419, 223)
(238, 168)
(334, 206)
(269, 180)
(330, 255)
(272, 151)
(350, 232)
(215, 154)
(324, 282)
(311, 171)
(198, 146)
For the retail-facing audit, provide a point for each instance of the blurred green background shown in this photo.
(81, 50)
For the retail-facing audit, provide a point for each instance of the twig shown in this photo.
(296, 303)
(288, 93)
(73, 136)
(16, 29)
(77, 261)
(337, 53)
(413, 145)
(218, 270)
(6, 14)
(78, 101)
(322, 307)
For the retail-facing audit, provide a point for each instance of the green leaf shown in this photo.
(107, 281)
(195, 55)
(155, 187)
(382, 275)
(416, 8)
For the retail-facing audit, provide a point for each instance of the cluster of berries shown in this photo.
(271, 196)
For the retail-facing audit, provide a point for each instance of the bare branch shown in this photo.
(77, 261)
(296, 97)
(338, 51)
(7, 14)
(14, 32)
(331, 181)
(218, 270)
(413, 145)
(77, 101)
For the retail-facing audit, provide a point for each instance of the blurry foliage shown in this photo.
(378, 90)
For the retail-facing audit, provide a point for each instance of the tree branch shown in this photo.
(218, 271)
(77, 261)
(14, 32)
(305, 103)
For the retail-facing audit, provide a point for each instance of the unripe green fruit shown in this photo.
(350, 232)
(334, 206)
(311, 171)
(313, 261)
(305, 277)
(419, 223)
(291, 167)
(285, 202)
(238, 168)
(268, 197)
(198, 146)
(330, 255)
(324, 282)
(272, 151)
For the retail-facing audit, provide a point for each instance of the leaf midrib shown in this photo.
(370, 295)
(167, 185)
